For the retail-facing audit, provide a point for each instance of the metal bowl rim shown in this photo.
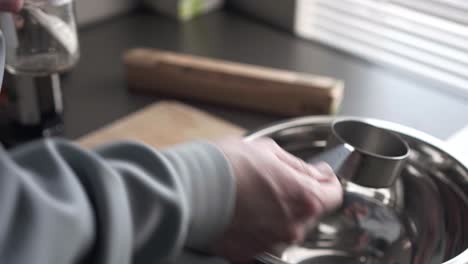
(462, 258)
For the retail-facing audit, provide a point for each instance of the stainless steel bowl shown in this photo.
(421, 219)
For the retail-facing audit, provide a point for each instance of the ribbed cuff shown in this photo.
(210, 190)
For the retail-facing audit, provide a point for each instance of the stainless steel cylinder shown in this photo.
(376, 156)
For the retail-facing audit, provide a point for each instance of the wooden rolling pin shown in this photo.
(234, 84)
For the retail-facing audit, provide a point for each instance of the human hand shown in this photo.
(277, 196)
(11, 5)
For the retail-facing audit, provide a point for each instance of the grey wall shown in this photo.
(277, 12)
(89, 11)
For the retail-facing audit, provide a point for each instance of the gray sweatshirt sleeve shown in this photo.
(60, 204)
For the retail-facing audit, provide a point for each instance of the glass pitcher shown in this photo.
(42, 38)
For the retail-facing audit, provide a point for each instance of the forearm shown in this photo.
(59, 203)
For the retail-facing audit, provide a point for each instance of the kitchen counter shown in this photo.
(95, 93)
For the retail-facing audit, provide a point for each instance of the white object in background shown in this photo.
(458, 143)
(394, 33)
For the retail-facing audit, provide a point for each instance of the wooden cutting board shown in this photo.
(163, 124)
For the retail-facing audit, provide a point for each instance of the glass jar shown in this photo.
(42, 38)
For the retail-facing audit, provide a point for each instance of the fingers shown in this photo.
(319, 172)
(290, 159)
(329, 191)
(332, 189)
(278, 194)
(322, 172)
(320, 193)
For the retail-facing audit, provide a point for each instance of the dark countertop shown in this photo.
(95, 92)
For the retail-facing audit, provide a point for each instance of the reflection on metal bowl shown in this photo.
(421, 219)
